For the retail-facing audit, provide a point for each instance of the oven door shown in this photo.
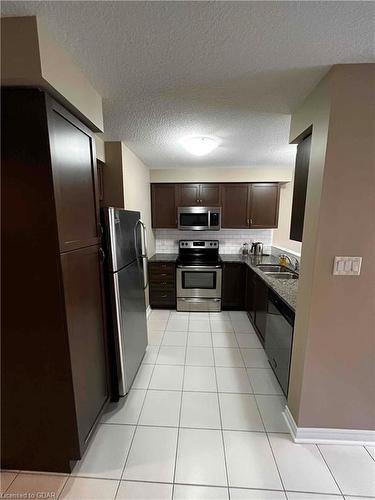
(199, 281)
(193, 218)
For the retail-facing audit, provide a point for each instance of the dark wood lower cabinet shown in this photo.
(162, 285)
(261, 303)
(84, 303)
(233, 291)
(250, 293)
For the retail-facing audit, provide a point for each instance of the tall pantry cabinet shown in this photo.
(54, 356)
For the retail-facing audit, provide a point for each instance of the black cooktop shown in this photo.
(198, 253)
(199, 260)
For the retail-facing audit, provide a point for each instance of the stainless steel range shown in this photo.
(199, 275)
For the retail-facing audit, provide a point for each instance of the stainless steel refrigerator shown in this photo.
(126, 280)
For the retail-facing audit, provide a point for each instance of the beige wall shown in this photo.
(332, 374)
(137, 191)
(230, 174)
(30, 56)
(100, 148)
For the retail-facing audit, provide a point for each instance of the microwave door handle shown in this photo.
(209, 219)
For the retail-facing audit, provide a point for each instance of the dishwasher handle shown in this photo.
(283, 309)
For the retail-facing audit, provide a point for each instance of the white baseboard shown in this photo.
(327, 436)
(148, 311)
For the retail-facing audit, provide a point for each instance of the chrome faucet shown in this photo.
(296, 263)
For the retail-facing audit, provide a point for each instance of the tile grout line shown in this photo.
(179, 416)
(63, 488)
(268, 439)
(221, 424)
(373, 458)
(200, 428)
(139, 416)
(328, 467)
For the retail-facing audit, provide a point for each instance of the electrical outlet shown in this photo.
(347, 266)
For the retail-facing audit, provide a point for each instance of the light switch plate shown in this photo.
(348, 266)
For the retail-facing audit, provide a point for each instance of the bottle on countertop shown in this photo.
(283, 261)
(245, 250)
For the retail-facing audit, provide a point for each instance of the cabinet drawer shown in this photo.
(162, 266)
(162, 298)
(162, 285)
(162, 272)
(162, 279)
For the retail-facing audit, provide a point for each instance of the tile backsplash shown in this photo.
(230, 240)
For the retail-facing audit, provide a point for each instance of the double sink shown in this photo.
(277, 271)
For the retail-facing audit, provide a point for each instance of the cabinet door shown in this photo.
(188, 195)
(163, 206)
(261, 301)
(210, 195)
(250, 292)
(82, 278)
(235, 206)
(233, 285)
(300, 188)
(73, 159)
(264, 205)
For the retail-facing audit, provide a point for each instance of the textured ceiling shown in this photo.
(233, 70)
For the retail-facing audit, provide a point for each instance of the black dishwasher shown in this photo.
(279, 338)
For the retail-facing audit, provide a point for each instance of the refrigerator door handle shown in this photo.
(143, 253)
(144, 250)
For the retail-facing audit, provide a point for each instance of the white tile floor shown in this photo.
(203, 421)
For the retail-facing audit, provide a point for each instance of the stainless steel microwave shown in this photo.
(199, 218)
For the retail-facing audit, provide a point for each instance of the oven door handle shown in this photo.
(199, 268)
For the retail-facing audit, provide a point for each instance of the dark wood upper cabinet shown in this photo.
(188, 195)
(203, 195)
(54, 356)
(163, 206)
(235, 210)
(233, 285)
(264, 205)
(244, 205)
(300, 189)
(74, 171)
(210, 195)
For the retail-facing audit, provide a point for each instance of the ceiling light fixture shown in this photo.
(199, 146)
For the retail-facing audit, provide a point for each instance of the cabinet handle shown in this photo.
(102, 254)
(164, 295)
(163, 274)
(248, 222)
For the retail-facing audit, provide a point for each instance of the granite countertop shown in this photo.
(285, 289)
(163, 257)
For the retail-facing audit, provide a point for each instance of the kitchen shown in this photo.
(187, 291)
